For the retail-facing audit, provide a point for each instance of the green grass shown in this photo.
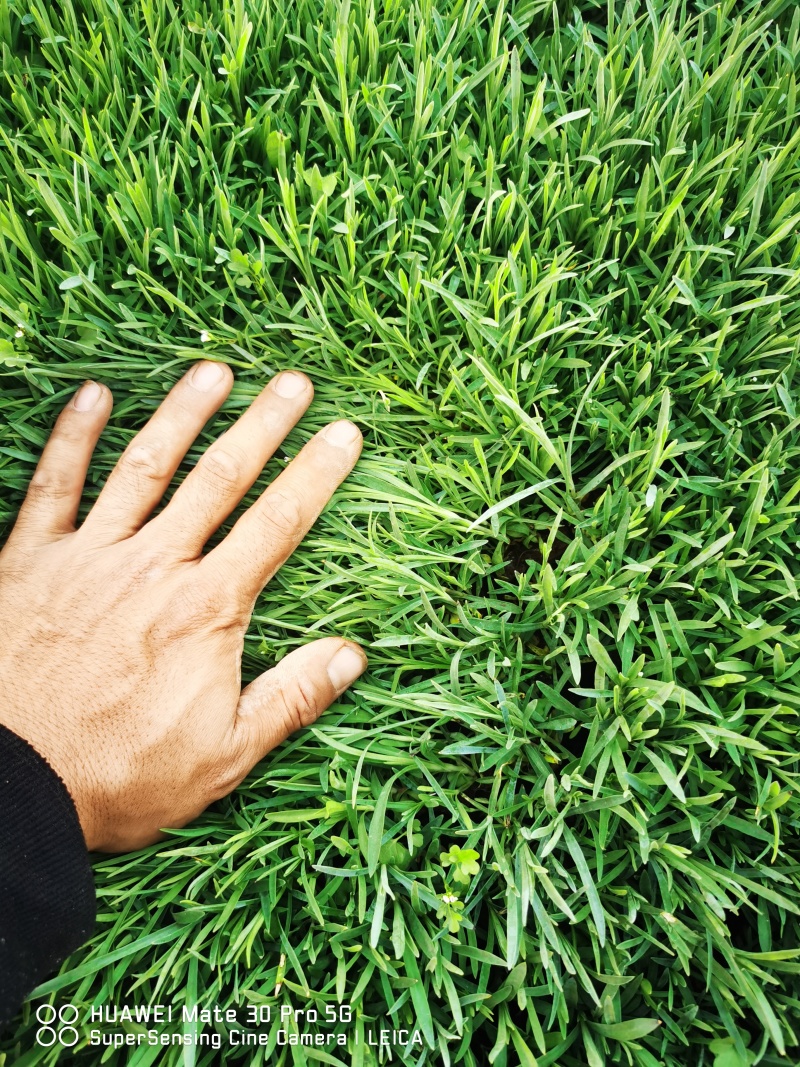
(547, 257)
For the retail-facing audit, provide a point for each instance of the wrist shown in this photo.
(60, 769)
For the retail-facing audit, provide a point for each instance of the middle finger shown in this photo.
(230, 466)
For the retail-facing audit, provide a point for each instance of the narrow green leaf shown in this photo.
(631, 1030)
(588, 884)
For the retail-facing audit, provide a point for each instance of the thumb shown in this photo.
(296, 692)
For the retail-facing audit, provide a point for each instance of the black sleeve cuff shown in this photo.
(47, 899)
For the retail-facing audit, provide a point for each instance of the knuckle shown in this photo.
(71, 431)
(183, 400)
(222, 467)
(280, 515)
(146, 460)
(201, 606)
(144, 561)
(300, 703)
(51, 483)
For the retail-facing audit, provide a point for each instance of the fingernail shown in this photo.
(345, 667)
(341, 433)
(289, 385)
(87, 396)
(206, 375)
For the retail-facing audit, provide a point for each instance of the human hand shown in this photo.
(121, 643)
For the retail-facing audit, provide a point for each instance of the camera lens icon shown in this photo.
(56, 1025)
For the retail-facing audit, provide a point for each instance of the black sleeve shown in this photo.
(47, 901)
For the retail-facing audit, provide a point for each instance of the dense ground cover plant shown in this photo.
(546, 255)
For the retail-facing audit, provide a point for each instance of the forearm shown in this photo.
(47, 899)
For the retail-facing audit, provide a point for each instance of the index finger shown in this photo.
(271, 529)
